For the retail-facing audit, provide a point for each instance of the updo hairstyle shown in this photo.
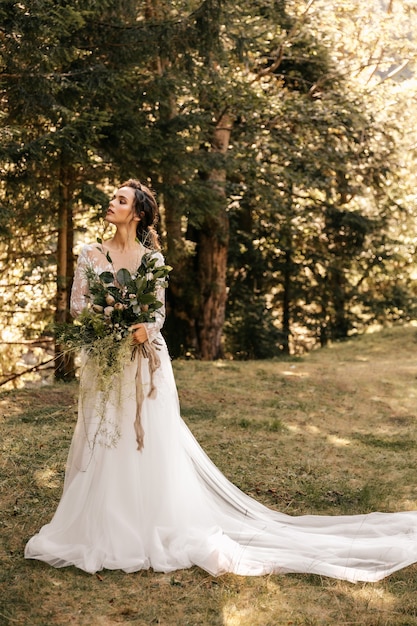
(146, 208)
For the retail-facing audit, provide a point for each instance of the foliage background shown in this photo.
(280, 139)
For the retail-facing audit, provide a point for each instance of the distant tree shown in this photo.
(54, 85)
(277, 171)
(319, 216)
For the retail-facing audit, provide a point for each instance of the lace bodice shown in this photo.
(94, 257)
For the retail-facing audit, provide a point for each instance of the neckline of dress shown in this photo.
(107, 252)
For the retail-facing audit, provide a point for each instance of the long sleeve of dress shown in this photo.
(153, 328)
(79, 291)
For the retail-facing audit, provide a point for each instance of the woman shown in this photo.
(141, 493)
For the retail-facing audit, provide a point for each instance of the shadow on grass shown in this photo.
(389, 443)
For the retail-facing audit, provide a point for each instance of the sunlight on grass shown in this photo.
(410, 505)
(296, 374)
(255, 607)
(338, 441)
(47, 478)
(232, 616)
(373, 596)
(294, 428)
(315, 430)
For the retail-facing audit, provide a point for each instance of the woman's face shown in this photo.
(120, 209)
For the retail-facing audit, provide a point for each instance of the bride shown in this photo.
(141, 493)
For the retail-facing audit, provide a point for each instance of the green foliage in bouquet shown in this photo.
(116, 301)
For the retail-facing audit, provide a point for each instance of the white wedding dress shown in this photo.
(168, 507)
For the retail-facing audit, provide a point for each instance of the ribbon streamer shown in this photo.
(148, 351)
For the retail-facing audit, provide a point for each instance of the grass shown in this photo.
(334, 433)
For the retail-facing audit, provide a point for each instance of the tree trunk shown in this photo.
(340, 323)
(180, 325)
(213, 249)
(64, 361)
(212, 253)
(286, 302)
(182, 296)
(287, 241)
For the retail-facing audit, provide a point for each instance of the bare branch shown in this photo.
(30, 369)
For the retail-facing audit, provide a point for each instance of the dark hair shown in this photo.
(145, 207)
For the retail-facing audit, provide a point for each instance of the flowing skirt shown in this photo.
(168, 507)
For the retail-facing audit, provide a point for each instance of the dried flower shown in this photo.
(108, 310)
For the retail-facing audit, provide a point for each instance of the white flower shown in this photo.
(149, 276)
(108, 311)
(119, 306)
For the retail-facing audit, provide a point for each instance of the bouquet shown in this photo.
(116, 301)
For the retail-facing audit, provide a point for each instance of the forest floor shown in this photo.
(334, 432)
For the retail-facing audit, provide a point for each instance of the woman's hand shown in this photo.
(139, 334)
